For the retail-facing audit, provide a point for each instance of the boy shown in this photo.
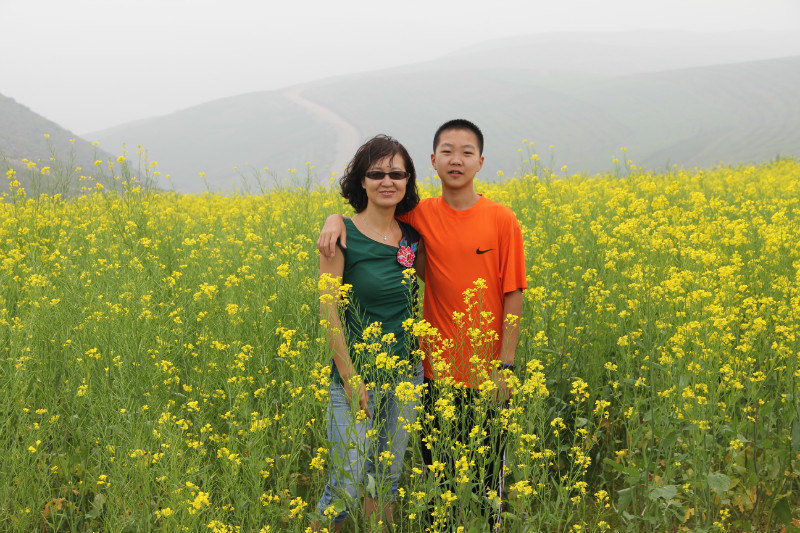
(466, 238)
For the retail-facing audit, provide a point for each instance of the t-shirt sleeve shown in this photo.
(512, 267)
(408, 218)
(414, 216)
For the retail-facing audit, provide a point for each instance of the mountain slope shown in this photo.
(698, 116)
(704, 116)
(22, 136)
(250, 132)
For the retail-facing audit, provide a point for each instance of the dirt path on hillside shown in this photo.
(347, 137)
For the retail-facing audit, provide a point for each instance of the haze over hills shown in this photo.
(669, 97)
(613, 54)
(686, 116)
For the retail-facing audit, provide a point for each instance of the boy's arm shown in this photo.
(512, 311)
(332, 231)
(514, 282)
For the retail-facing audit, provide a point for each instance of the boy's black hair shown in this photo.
(375, 149)
(459, 124)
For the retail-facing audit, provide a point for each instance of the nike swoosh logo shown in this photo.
(479, 251)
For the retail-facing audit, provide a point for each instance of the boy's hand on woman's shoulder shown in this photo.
(332, 231)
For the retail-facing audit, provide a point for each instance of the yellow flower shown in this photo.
(165, 512)
(200, 500)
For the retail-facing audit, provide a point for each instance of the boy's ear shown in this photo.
(480, 166)
(433, 160)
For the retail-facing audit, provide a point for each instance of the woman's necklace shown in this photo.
(384, 235)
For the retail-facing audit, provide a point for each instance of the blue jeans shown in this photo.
(356, 452)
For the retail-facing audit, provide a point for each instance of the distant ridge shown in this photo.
(670, 98)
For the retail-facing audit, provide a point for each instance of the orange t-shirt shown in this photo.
(484, 241)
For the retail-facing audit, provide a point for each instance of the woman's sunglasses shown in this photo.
(394, 174)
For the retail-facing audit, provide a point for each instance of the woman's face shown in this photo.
(385, 192)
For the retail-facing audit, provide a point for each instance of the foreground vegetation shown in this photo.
(164, 369)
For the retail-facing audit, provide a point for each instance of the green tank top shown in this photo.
(381, 299)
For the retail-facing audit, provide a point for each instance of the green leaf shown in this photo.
(666, 492)
(719, 482)
(670, 439)
(580, 422)
(371, 490)
(613, 464)
(633, 473)
(625, 499)
(783, 511)
(339, 506)
(796, 434)
(97, 506)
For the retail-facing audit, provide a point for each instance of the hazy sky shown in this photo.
(92, 64)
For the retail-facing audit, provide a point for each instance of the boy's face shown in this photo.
(457, 159)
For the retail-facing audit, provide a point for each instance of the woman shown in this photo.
(372, 352)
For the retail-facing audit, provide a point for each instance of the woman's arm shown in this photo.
(329, 312)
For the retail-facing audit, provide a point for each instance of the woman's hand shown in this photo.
(356, 394)
(332, 231)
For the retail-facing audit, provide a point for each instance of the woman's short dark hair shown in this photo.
(372, 151)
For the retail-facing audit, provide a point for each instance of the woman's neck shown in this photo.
(379, 224)
(382, 219)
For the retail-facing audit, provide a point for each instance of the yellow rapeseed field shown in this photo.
(163, 366)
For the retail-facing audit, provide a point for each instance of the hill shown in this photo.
(670, 98)
(22, 136)
(249, 131)
(698, 116)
